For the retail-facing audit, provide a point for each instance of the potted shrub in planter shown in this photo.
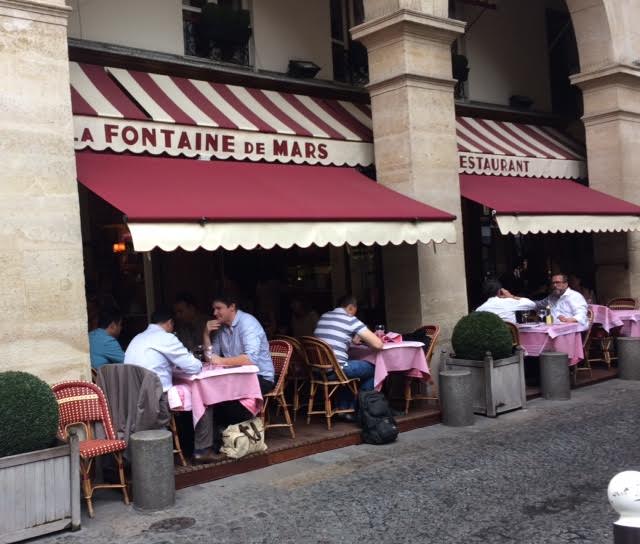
(40, 478)
(482, 344)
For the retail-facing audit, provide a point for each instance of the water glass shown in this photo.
(379, 332)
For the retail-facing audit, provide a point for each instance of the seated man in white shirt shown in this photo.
(159, 350)
(502, 303)
(567, 305)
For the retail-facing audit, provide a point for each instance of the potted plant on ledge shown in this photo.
(41, 483)
(482, 343)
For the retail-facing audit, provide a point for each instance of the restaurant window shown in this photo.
(219, 30)
(350, 62)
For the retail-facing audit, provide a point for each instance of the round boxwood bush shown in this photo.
(479, 332)
(28, 413)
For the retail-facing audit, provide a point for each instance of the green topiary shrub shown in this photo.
(28, 414)
(479, 332)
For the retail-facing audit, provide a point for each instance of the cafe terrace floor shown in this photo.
(315, 438)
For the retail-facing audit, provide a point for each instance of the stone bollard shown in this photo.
(628, 358)
(624, 496)
(554, 375)
(456, 398)
(154, 485)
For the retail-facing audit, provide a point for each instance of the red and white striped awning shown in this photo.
(126, 110)
(502, 148)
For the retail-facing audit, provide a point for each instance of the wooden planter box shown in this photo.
(40, 492)
(498, 386)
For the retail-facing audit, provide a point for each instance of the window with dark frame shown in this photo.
(350, 61)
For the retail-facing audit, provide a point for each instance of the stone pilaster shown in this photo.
(415, 148)
(43, 303)
(611, 97)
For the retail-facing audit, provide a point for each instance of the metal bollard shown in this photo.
(624, 496)
(554, 376)
(456, 398)
(154, 485)
(628, 358)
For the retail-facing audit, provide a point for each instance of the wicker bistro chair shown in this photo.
(298, 375)
(281, 351)
(433, 332)
(585, 364)
(623, 304)
(328, 375)
(515, 334)
(82, 404)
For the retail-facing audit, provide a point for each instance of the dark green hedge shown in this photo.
(479, 332)
(28, 413)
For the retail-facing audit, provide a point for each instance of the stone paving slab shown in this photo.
(535, 476)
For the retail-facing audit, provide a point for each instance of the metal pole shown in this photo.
(624, 496)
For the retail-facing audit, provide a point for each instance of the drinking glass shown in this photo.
(379, 332)
(542, 314)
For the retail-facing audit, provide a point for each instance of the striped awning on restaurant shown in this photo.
(140, 112)
(503, 148)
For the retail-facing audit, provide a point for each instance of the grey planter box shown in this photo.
(498, 385)
(40, 492)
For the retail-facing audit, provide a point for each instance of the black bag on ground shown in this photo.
(378, 425)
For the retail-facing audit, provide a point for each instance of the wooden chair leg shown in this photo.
(327, 406)
(287, 417)
(87, 488)
(123, 480)
(407, 394)
(312, 393)
(296, 399)
(177, 448)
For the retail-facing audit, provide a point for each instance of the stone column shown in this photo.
(416, 153)
(43, 306)
(612, 122)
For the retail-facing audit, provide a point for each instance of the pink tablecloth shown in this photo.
(630, 320)
(564, 337)
(214, 386)
(605, 316)
(394, 357)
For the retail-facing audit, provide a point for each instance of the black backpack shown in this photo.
(378, 425)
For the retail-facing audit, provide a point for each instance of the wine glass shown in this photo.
(379, 332)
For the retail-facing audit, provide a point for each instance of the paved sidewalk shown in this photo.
(535, 476)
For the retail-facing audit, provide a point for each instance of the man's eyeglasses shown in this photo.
(560, 282)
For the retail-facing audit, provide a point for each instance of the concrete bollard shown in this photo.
(554, 375)
(628, 358)
(624, 496)
(456, 398)
(154, 485)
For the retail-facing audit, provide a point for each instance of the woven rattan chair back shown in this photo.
(623, 304)
(515, 334)
(321, 358)
(82, 403)
(281, 352)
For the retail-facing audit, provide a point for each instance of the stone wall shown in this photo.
(44, 326)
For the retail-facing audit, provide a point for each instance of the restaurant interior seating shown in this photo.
(411, 385)
(585, 364)
(298, 375)
(281, 352)
(623, 303)
(82, 405)
(327, 375)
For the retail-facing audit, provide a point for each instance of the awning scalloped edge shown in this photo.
(249, 235)
(535, 224)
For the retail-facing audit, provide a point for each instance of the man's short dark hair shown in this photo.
(109, 315)
(491, 287)
(228, 298)
(161, 314)
(346, 300)
(186, 297)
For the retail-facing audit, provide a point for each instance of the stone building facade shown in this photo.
(411, 89)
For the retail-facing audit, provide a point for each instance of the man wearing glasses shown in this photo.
(567, 305)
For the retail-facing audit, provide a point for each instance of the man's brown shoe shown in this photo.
(201, 458)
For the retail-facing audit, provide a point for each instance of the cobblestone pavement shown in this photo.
(532, 476)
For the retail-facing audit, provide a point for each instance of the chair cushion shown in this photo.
(94, 448)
